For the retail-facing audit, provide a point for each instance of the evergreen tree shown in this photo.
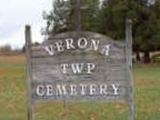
(89, 15)
(58, 19)
(146, 23)
(109, 19)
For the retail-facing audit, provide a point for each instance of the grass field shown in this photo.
(13, 97)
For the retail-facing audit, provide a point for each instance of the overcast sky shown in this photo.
(15, 14)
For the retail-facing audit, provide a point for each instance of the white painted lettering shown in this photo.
(106, 50)
(64, 68)
(61, 90)
(40, 90)
(69, 44)
(95, 44)
(93, 89)
(49, 91)
(73, 88)
(49, 49)
(77, 68)
(82, 43)
(103, 89)
(59, 46)
(83, 88)
(115, 88)
(91, 67)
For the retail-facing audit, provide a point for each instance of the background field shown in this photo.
(13, 97)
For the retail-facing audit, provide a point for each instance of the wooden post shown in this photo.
(76, 15)
(130, 100)
(28, 70)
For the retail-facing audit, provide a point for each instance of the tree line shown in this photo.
(8, 50)
(108, 17)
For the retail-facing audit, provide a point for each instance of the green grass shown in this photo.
(13, 97)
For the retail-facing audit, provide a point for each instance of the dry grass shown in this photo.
(13, 97)
(12, 59)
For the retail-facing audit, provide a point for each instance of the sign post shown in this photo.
(130, 100)
(76, 14)
(28, 70)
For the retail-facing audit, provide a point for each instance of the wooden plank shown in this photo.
(109, 69)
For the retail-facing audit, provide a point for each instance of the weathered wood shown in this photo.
(76, 15)
(110, 69)
(130, 99)
(28, 70)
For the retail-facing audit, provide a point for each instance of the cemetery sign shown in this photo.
(80, 66)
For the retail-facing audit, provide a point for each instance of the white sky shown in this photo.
(15, 14)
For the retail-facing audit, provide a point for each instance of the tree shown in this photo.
(109, 19)
(89, 15)
(6, 48)
(147, 29)
(146, 23)
(60, 18)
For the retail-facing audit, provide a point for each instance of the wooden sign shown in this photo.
(80, 66)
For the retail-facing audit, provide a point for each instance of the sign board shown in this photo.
(79, 66)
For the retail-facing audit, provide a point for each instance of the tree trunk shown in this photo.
(147, 57)
(138, 58)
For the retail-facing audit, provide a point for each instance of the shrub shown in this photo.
(156, 58)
